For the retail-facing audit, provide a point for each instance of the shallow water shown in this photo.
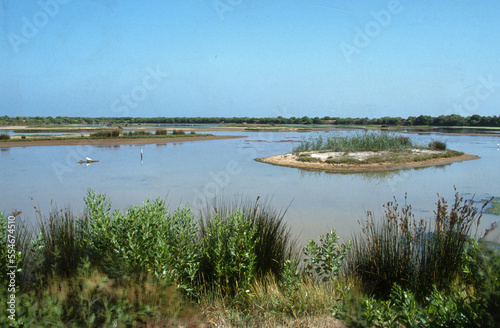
(196, 171)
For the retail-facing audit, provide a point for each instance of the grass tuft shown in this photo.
(179, 132)
(106, 134)
(161, 132)
(437, 145)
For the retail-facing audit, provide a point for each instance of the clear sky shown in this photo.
(249, 58)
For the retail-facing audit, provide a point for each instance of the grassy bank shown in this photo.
(57, 130)
(236, 264)
(106, 134)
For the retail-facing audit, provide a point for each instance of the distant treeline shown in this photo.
(422, 120)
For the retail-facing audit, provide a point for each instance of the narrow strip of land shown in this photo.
(108, 141)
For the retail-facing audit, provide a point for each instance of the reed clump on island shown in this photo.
(357, 142)
(236, 263)
(365, 152)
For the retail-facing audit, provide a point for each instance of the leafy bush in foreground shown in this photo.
(325, 260)
(143, 239)
(133, 268)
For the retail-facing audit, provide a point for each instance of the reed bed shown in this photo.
(137, 133)
(161, 132)
(368, 141)
(106, 134)
(415, 254)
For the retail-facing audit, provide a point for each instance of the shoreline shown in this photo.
(283, 160)
(108, 141)
(301, 128)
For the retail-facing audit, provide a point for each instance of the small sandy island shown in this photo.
(366, 161)
(109, 141)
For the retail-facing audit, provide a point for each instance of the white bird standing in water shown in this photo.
(498, 146)
(88, 159)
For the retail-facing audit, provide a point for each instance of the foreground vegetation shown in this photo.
(237, 264)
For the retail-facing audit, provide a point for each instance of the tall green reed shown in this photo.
(367, 141)
(415, 254)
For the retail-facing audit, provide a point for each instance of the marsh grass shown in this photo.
(367, 141)
(308, 159)
(137, 133)
(161, 132)
(494, 206)
(57, 250)
(415, 254)
(106, 134)
(437, 145)
(271, 303)
(179, 132)
(4, 136)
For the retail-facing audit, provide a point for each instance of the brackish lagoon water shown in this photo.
(191, 172)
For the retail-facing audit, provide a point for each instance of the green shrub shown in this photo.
(324, 260)
(92, 299)
(437, 145)
(137, 133)
(106, 133)
(179, 132)
(483, 273)
(4, 136)
(161, 131)
(456, 308)
(143, 239)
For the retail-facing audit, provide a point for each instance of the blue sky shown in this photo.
(249, 58)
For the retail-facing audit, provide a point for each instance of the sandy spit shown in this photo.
(108, 141)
